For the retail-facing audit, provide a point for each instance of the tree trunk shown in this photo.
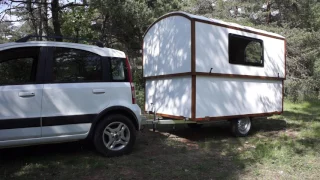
(268, 12)
(55, 19)
(32, 18)
(103, 31)
(44, 17)
(40, 19)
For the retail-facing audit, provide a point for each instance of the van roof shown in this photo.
(107, 52)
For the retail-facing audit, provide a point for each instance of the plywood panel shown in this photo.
(233, 96)
(170, 96)
(167, 47)
(212, 52)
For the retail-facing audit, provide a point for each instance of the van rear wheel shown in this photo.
(241, 127)
(115, 136)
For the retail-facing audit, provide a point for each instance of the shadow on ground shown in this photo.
(181, 153)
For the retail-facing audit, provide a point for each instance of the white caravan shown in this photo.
(200, 69)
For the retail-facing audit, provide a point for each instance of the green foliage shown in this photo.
(161, 7)
(78, 19)
(120, 24)
(140, 98)
(138, 79)
(139, 87)
(302, 64)
(253, 52)
(5, 32)
(9, 32)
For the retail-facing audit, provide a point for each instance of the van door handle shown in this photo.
(98, 91)
(26, 94)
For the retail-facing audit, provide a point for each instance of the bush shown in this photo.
(301, 90)
(140, 98)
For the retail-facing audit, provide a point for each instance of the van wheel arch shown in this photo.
(110, 111)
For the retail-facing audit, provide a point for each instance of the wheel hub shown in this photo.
(244, 125)
(116, 136)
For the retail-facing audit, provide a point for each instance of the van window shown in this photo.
(73, 65)
(18, 65)
(245, 51)
(118, 69)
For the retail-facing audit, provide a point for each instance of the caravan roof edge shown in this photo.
(215, 22)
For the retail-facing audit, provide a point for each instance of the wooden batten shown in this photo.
(193, 69)
(213, 75)
(236, 116)
(171, 116)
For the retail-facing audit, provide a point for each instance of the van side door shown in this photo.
(20, 93)
(74, 92)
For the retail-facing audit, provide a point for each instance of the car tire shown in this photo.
(115, 135)
(241, 127)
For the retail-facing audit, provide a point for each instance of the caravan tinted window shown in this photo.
(245, 51)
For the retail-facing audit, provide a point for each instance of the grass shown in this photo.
(281, 147)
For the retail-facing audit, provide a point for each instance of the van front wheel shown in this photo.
(241, 127)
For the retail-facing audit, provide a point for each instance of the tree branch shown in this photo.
(15, 20)
(25, 2)
(9, 9)
(71, 5)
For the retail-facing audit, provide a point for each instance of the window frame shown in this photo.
(37, 69)
(244, 63)
(126, 78)
(50, 63)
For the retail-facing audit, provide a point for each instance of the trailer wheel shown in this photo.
(194, 125)
(241, 127)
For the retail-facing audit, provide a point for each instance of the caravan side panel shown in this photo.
(216, 97)
(212, 44)
(170, 96)
(167, 47)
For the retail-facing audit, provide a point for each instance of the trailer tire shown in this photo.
(241, 127)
